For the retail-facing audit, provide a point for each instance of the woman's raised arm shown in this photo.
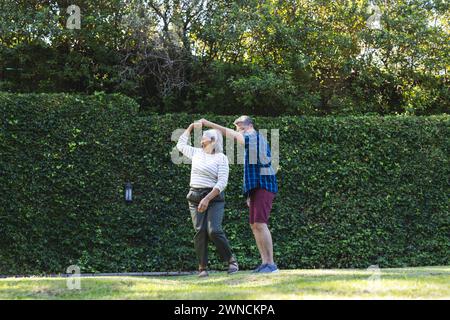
(182, 144)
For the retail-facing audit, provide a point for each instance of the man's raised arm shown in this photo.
(225, 131)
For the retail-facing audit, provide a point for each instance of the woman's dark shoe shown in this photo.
(233, 267)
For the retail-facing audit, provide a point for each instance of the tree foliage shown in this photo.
(273, 57)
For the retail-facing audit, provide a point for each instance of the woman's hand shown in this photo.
(194, 125)
(203, 205)
(205, 122)
(197, 125)
(248, 202)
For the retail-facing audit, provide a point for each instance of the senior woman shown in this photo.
(206, 198)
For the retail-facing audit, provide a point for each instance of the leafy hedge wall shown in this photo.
(354, 191)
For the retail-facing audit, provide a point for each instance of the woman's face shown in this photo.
(207, 144)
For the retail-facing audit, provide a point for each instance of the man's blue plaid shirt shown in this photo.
(258, 171)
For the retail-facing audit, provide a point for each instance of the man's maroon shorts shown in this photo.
(260, 205)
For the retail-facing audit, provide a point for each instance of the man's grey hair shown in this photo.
(216, 137)
(246, 120)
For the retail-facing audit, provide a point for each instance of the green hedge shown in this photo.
(354, 191)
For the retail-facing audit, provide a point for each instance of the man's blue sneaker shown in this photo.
(259, 268)
(269, 268)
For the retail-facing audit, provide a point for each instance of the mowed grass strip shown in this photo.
(401, 283)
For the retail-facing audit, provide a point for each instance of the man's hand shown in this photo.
(205, 122)
(203, 205)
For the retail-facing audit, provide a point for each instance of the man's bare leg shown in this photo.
(263, 241)
(258, 241)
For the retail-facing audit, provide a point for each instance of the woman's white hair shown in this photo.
(216, 137)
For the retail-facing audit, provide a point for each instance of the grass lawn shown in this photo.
(404, 283)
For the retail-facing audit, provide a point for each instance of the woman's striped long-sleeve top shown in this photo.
(208, 170)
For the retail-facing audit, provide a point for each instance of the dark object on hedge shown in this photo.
(128, 194)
